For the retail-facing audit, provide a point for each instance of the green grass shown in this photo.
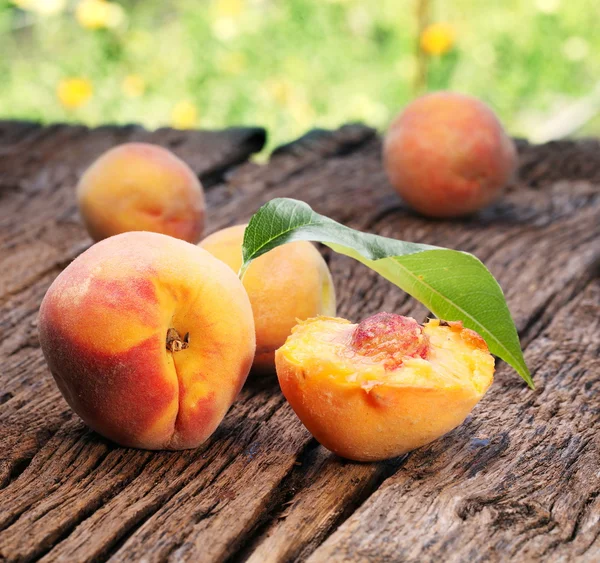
(290, 65)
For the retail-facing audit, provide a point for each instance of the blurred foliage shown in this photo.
(289, 65)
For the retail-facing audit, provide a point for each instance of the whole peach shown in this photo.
(386, 386)
(289, 283)
(141, 187)
(447, 155)
(149, 339)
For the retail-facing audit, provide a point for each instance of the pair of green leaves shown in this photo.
(453, 285)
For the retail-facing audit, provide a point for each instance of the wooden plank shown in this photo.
(200, 539)
(211, 522)
(78, 478)
(242, 493)
(13, 131)
(324, 490)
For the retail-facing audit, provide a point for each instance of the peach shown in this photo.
(288, 283)
(149, 339)
(447, 155)
(386, 386)
(141, 187)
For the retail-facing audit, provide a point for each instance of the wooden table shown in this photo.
(520, 479)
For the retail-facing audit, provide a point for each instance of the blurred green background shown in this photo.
(290, 65)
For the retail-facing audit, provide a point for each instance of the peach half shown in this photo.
(141, 187)
(149, 339)
(386, 386)
(289, 283)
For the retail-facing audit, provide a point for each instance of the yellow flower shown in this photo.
(437, 38)
(74, 92)
(228, 8)
(45, 7)
(184, 115)
(133, 86)
(98, 14)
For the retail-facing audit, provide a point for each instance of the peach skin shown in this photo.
(386, 386)
(141, 187)
(149, 339)
(288, 283)
(447, 155)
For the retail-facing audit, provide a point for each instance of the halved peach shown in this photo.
(383, 387)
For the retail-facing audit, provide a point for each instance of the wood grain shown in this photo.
(518, 480)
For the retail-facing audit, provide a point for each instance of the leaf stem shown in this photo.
(242, 271)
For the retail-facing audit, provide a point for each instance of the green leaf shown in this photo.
(453, 285)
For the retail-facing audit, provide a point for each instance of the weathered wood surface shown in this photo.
(519, 480)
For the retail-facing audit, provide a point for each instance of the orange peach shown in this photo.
(288, 283)
(383, 387)
(141, 187)
(447, 155)
(149, 339)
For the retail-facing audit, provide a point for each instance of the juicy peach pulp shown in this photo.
(365, 399)
(149, 339)
(289, 283)
(141, 187)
